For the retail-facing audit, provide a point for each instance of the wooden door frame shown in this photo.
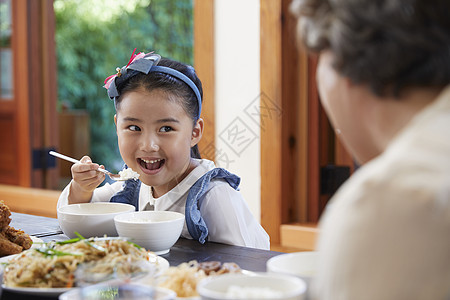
(286, 145)
(204, 65)
(271, 138)
(18, 108)
(33, 109)
(295, 146)
(21, 87)
(42, 70)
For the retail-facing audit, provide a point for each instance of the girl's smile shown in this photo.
(155, 137)
(151, 166)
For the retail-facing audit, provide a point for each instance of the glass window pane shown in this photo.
(6, 87)
(6, 55)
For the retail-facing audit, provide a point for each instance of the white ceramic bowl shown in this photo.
(158, 293)
(156, 231)
(91, 219)
(300, 264)
(254, 286)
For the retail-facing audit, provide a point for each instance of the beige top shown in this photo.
(386, 233)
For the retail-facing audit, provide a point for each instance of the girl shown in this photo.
(158, 105)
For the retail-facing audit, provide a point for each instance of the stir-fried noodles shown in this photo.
(53, 265)
(184, 278)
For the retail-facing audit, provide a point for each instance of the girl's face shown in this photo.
(155, 136)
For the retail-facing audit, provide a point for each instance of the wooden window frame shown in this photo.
(204, 66)
(17, 109)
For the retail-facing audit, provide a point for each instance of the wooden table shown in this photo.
(184, 250)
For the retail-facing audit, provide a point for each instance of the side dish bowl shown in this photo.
(156, 231)
(300, 264)
(91, 219)
(254, 286)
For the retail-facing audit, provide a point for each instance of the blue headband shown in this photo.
(146, 64)
(185, 79)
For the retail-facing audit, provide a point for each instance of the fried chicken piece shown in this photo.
(5, 214)
(12, 241)
(18, 237)
(7, 247)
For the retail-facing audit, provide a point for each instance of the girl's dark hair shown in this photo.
(387, 44)
(170, 84)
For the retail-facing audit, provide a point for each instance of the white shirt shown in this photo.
(223, 209)
(386, 233)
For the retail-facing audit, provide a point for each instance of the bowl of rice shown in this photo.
(91, 219)
(156, 231)
(252, 286)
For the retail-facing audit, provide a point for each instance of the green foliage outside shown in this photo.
(5, 24)
(93, 37)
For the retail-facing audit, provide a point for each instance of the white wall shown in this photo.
(237, 90)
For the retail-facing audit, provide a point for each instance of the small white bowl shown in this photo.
(300, 264)
(156, 231)
(254, 286)
(91, 219)
(158, 293)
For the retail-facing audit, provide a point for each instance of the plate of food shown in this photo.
(183, 279)
(51, 269)
(37, 242)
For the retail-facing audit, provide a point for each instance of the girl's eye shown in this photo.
(165, 129)
(134, 128)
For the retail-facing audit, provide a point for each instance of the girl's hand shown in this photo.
(86, 179)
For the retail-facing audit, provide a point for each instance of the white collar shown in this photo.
(180, 189)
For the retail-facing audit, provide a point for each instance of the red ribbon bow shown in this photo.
(133, 57)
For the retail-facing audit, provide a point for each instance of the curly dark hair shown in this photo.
(387, 44)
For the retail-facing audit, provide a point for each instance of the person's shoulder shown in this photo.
(221, 189)
(219, 195)
(204, 164)
(221, 184)
(390, 188)
(202, 167)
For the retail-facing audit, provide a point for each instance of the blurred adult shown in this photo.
(383, 77)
